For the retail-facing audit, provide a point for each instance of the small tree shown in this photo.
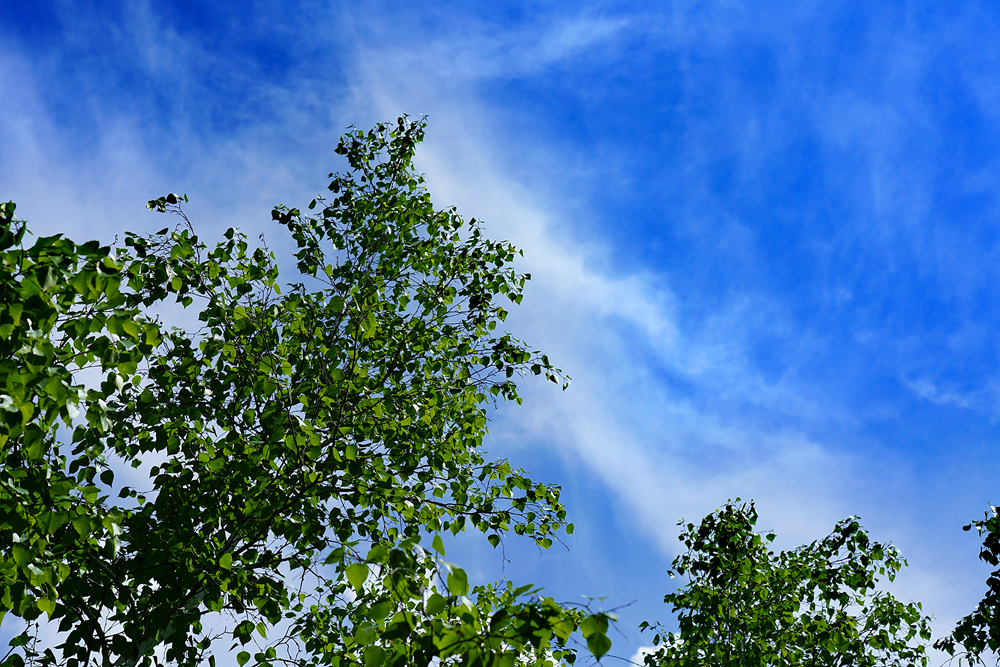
(979, 632)
(745, 605)
(301, 445)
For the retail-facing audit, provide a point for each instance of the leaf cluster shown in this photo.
(979, 631)
(744, 604)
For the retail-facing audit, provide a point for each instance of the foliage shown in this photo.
(815, 605)
(299, 446)
(980, 631)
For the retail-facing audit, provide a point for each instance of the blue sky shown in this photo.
(763, 236)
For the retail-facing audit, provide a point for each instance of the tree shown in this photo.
(745, 605)
(302, 446)
(979, 631)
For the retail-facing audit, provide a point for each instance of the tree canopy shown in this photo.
(745, 605)
(304, 447)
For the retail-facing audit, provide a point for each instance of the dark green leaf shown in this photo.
(598, 644)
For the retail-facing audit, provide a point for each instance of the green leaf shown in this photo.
(438, 544)
(458, 582)
(82, 525)
(36, 450)
(598, 644)
(357, 575)
(365, 634)
(130, 327)
(563, 629)
(21, 555)
(435, 603)
(377, 554)
(242, 658)
(595, 624)
(226, 561)
(381, 609)
(374, 656)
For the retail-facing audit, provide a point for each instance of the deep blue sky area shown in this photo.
(764, 237)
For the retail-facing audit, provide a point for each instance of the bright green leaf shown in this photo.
(435, 603)
(458, 582)
(82, 525)
(357, 574)
(21, 555)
